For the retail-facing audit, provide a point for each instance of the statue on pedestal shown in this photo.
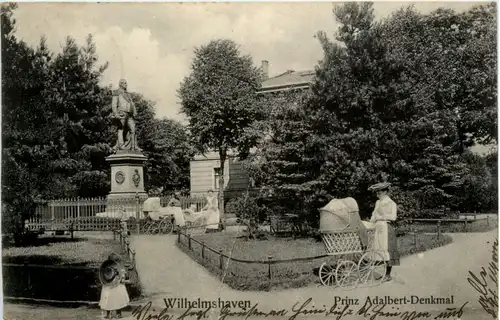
(124, 113)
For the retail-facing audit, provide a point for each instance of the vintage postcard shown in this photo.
(249, 160)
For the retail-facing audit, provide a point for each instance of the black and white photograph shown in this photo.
(249, 160)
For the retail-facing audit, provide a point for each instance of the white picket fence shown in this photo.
(93, 214)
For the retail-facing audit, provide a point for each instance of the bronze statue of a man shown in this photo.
(124, 113)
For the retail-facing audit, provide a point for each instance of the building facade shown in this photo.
(206, 169)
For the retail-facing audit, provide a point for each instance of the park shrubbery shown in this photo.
(248, 207)
(401, 100)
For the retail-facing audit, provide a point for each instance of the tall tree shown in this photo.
(283, 163)
(166, 145)
(219, 98)
(480, 190)
(56, 129)
(372, 115)
(23, 71)
(449, 60)
(77, 122)
(169, 157)
(379, 95)
(51, 108)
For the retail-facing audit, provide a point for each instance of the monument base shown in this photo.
(127, 184)
(126, 204)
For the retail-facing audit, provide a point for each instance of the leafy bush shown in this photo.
(479, 192)
(250, 212)
(248, 207)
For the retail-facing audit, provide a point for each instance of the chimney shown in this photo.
(265, 69)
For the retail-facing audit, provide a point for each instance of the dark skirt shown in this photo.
(392, 243)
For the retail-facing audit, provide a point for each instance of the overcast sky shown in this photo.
(151, 45)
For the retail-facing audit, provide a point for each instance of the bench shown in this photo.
(288, 224)
(59, 228)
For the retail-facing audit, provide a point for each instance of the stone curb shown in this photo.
(79, 304)
(59, 304)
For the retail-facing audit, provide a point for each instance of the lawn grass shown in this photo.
(254, 277)
(61, 268)
(64, 251)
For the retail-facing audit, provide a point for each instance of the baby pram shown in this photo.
(164, 220)
(348, 240)
(196, 222)
(157, 220)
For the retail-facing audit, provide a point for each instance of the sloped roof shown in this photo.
(288, 80)
(212, 155)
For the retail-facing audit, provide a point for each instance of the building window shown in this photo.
(217, 174)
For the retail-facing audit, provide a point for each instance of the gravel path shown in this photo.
(165, 270)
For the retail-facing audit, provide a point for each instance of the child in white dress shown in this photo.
(114, 297)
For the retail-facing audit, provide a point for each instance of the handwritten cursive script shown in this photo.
(304, 310)
(488, 298)
(307, 309)
(300, 310)
(380, 311)
(143, 313)
(226, 313)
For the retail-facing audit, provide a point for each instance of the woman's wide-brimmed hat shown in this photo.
(379, 186)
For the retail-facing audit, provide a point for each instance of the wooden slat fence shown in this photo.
(186, 202)
(93, 214)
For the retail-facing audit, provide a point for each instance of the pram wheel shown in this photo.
(166, 226)
(347, 274)
(371, 268)
(327, 274)
(153, 228)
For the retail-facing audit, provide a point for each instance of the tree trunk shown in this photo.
(461, 135)
(222, 157)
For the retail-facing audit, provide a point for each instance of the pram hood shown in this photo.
(151, 204)
(339, 214)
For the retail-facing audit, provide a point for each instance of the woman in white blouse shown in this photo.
(385, 242)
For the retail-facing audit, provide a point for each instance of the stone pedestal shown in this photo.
(127, 182)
